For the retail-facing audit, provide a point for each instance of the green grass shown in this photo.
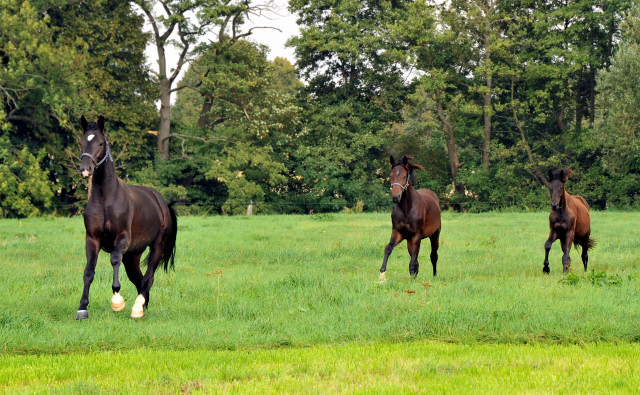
(259, 284)
(360, 368)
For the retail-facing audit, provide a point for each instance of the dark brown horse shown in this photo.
(415, 216)
(123, 221)
(569, 221)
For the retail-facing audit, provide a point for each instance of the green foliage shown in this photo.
(244, 124)
(486, 95)
(355, 91)
(615, 134)
(600, 278)
(25, 190)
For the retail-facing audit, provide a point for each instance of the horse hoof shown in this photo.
(117, 302)
(382, 277)
(82, 315)
(137, 310)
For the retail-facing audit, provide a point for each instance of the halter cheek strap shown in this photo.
(106, 155)
(404, 187)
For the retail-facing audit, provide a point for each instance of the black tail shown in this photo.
(591, 243)
(169, 250)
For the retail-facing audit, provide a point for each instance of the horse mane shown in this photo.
(560, 174)
(93, 126)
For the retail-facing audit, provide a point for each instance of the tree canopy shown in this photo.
(486, 94)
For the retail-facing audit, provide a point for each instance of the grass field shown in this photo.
(267, 290)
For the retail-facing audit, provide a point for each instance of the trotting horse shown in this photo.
(123, 221)
(415, 216)
(569, 221)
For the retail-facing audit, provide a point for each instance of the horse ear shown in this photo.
(101, 123)
(406, 159)
(83, 123)
(391, 160)
(566, 174)
(550, 174)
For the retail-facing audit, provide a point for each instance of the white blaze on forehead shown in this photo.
(90, 137)
(397, 172)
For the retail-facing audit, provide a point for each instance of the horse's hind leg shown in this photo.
(132, 267)
(142, 301)
(435, 243)
(413, 245)
(584, 243)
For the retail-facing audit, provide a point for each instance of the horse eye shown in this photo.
(101, 144)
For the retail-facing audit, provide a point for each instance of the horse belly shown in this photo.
(583, 222)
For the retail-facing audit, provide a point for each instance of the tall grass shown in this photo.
(269, 281)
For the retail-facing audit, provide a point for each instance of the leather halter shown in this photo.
(406, 185)
(106, 155)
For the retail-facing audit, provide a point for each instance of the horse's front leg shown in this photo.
(121, 244)
(396, 238)
(413, 245)
(566, 243)
(92, 247)
(553, 236)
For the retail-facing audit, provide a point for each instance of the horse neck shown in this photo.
(564, 199)
(409, 196)
(105, 179)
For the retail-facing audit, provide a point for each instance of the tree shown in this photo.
(25, 190)
(246, 134)
(39, 77)
(189, 22)
(355, 91)
(617, 130)
(441, 57)
(65, 59)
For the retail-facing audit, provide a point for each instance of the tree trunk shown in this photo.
(486, 145)
(452, 150)
(165, 119)
(206, 107)
(525, 144)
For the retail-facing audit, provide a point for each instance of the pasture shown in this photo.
(250, 296)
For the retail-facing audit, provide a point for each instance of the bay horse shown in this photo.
(415, 216)
(123, 221)
(569, 221)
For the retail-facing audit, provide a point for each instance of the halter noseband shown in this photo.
(406, 185)
(106, 155)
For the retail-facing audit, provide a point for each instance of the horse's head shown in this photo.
(557, 178)
(401, 176)
(95, 148)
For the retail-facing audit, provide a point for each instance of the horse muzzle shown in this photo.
(85, 171)
(396, 198)
(555, 207)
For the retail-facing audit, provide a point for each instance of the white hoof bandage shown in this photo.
(117, 302)
(137, 310)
